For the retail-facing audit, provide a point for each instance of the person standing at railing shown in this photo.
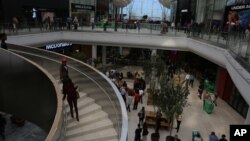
(138, 24)
(92, 21)
(69, 21)
(14, 24)
(76, 23)
(3, 38)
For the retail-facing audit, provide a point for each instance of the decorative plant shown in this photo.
(171, 99)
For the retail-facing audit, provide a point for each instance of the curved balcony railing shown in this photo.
(118, 113)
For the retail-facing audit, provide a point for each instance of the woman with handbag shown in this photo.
(69, 90)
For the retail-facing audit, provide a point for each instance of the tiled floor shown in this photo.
(194, 118)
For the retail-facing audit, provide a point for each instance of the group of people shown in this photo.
(141, 132)
(69, 89)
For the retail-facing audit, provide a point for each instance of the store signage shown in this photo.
(58, 45)
(240, 7)
(184, 10)
(77, 7)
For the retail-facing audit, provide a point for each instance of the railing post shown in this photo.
(150, 28)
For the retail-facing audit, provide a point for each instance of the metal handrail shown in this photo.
(70, 65)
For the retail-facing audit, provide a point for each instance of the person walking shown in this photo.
(3, 38)
(144, 131)
(191, 80)
(69, 91)
(136, 100)
(200, 90)
(123, 93)
(130, 98)
(158, 121)
(223, 138)
(178, 120)
(64, 74)
(213, 137)
(141, 115)
(138, 133)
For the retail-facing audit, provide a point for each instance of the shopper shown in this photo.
(3, 38)
(76, 23)
(213, 137)
(200, 90)
(130, 98)
(178, 120)
(144, 132)
(223, 138)
(69, 91)
(123, 93)
(158, 121)
(64, 70)
(141, 115)
(136, 100)
(138, 133)
(191, 80)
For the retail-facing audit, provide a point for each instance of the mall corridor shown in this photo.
(193, 118)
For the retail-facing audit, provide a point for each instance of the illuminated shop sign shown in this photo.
(240, 7)
(76, 7)
(184, 10)
(58, 45)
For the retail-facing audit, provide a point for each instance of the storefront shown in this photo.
(229, 93)
(83, 10)
(80, 52)
(31, 10)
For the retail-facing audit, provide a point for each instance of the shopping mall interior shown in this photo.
(188, 69)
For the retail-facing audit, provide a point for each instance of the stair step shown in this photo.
(99, 125)
(104, 135)
(87, 119)
(85, 111)
(82, 102)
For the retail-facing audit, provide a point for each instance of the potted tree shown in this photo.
(171, 99)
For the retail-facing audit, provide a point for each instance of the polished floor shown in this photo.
(193, 118)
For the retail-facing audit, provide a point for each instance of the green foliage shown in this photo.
(172, 99)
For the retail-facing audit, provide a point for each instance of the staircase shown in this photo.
(94, 124)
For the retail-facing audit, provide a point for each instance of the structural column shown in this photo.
(104, 54)
(94, 54)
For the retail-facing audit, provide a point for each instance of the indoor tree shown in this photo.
(171, 99)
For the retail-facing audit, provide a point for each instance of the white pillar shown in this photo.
(120, 50)
(94, 53)
(247, 121)
(104, 54)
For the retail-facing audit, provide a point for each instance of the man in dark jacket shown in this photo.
(138, 133)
